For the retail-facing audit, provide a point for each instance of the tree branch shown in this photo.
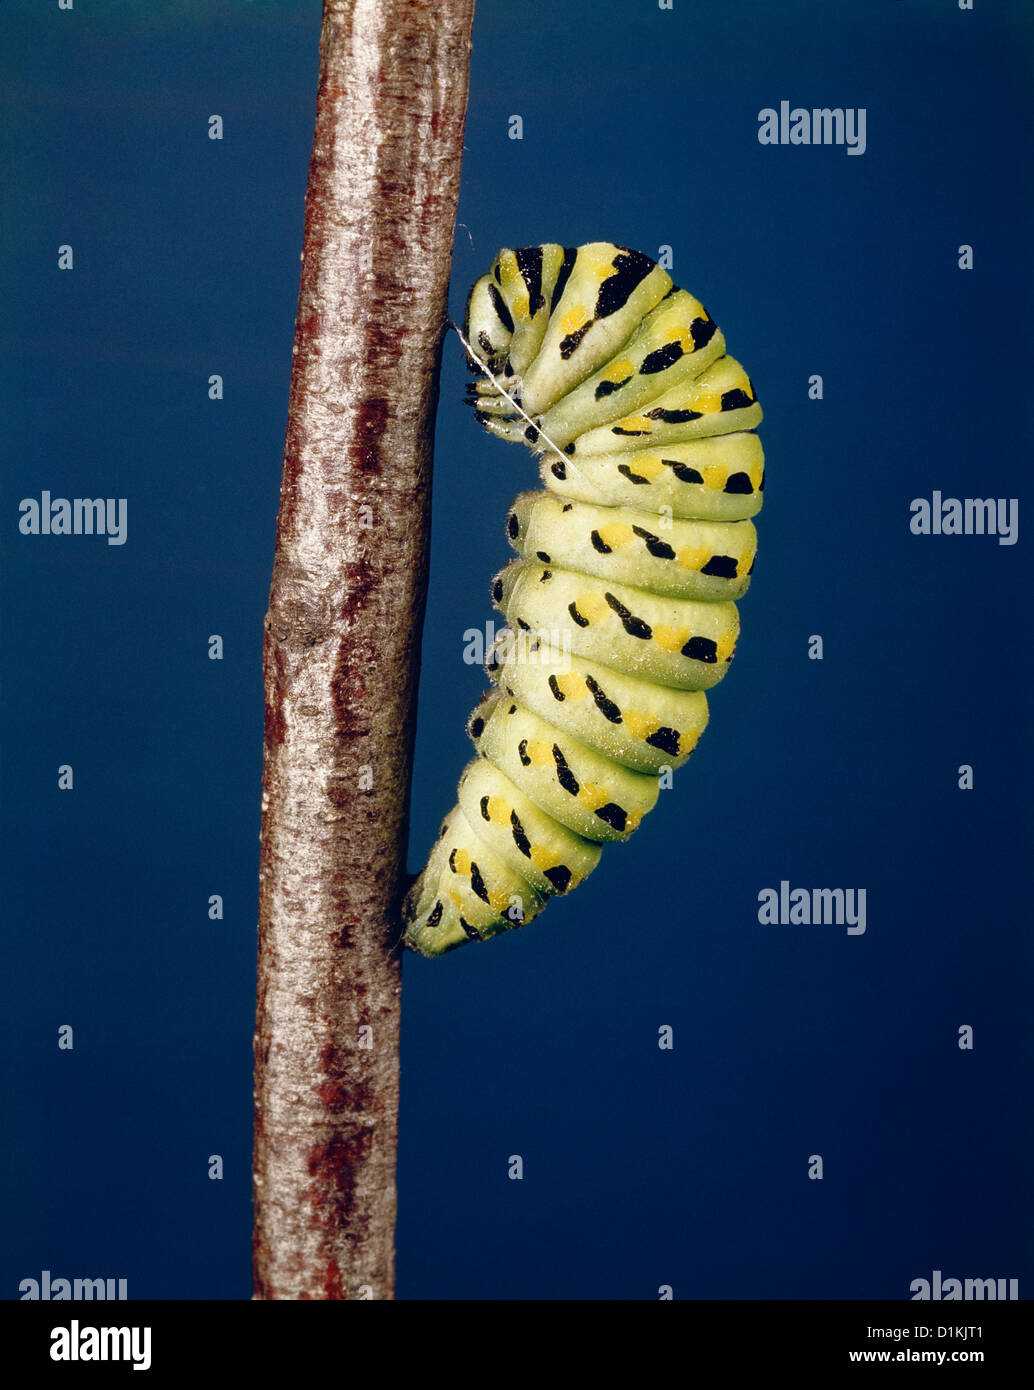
(342, 641)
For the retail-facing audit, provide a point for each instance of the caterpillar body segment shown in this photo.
(720, 478)
(516, 828)
(620, 605)
(683, 559)
(577, 785)
(658, 727)
(683, 643)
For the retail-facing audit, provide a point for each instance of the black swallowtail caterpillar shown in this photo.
(620, 610)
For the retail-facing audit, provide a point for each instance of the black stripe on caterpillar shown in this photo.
(620, 608)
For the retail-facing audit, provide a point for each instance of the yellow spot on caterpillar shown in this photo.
(646, 466)
(670, 639)
(618, 370)
(688, 741)
(573, 319)
(705, 398)
(637, 423)
(500, 900)
(571, 686)
(594, 796)
(592, 606)
(542, 858)
(514, 286)
(661, 330)
(637, 724)
(540, 752)
(599, 263)
(673, 326)
(725, 645)
(498, 812)
(616, 534)
(694, 557)
(461, 861)
(745, 561)
(715, 476)
(676, 327)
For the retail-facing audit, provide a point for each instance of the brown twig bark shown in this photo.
(342, 641)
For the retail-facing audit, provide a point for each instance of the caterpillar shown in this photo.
(620, 607)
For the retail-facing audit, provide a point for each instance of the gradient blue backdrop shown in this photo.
(642, 1167)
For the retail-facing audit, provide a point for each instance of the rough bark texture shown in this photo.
(342, 641)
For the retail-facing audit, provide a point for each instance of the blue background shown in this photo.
(642, 1167)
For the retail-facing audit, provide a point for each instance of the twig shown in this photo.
(342, 641)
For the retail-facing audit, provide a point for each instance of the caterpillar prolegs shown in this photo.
(620, 609)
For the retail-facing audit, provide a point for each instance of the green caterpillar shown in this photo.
(621, 608)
